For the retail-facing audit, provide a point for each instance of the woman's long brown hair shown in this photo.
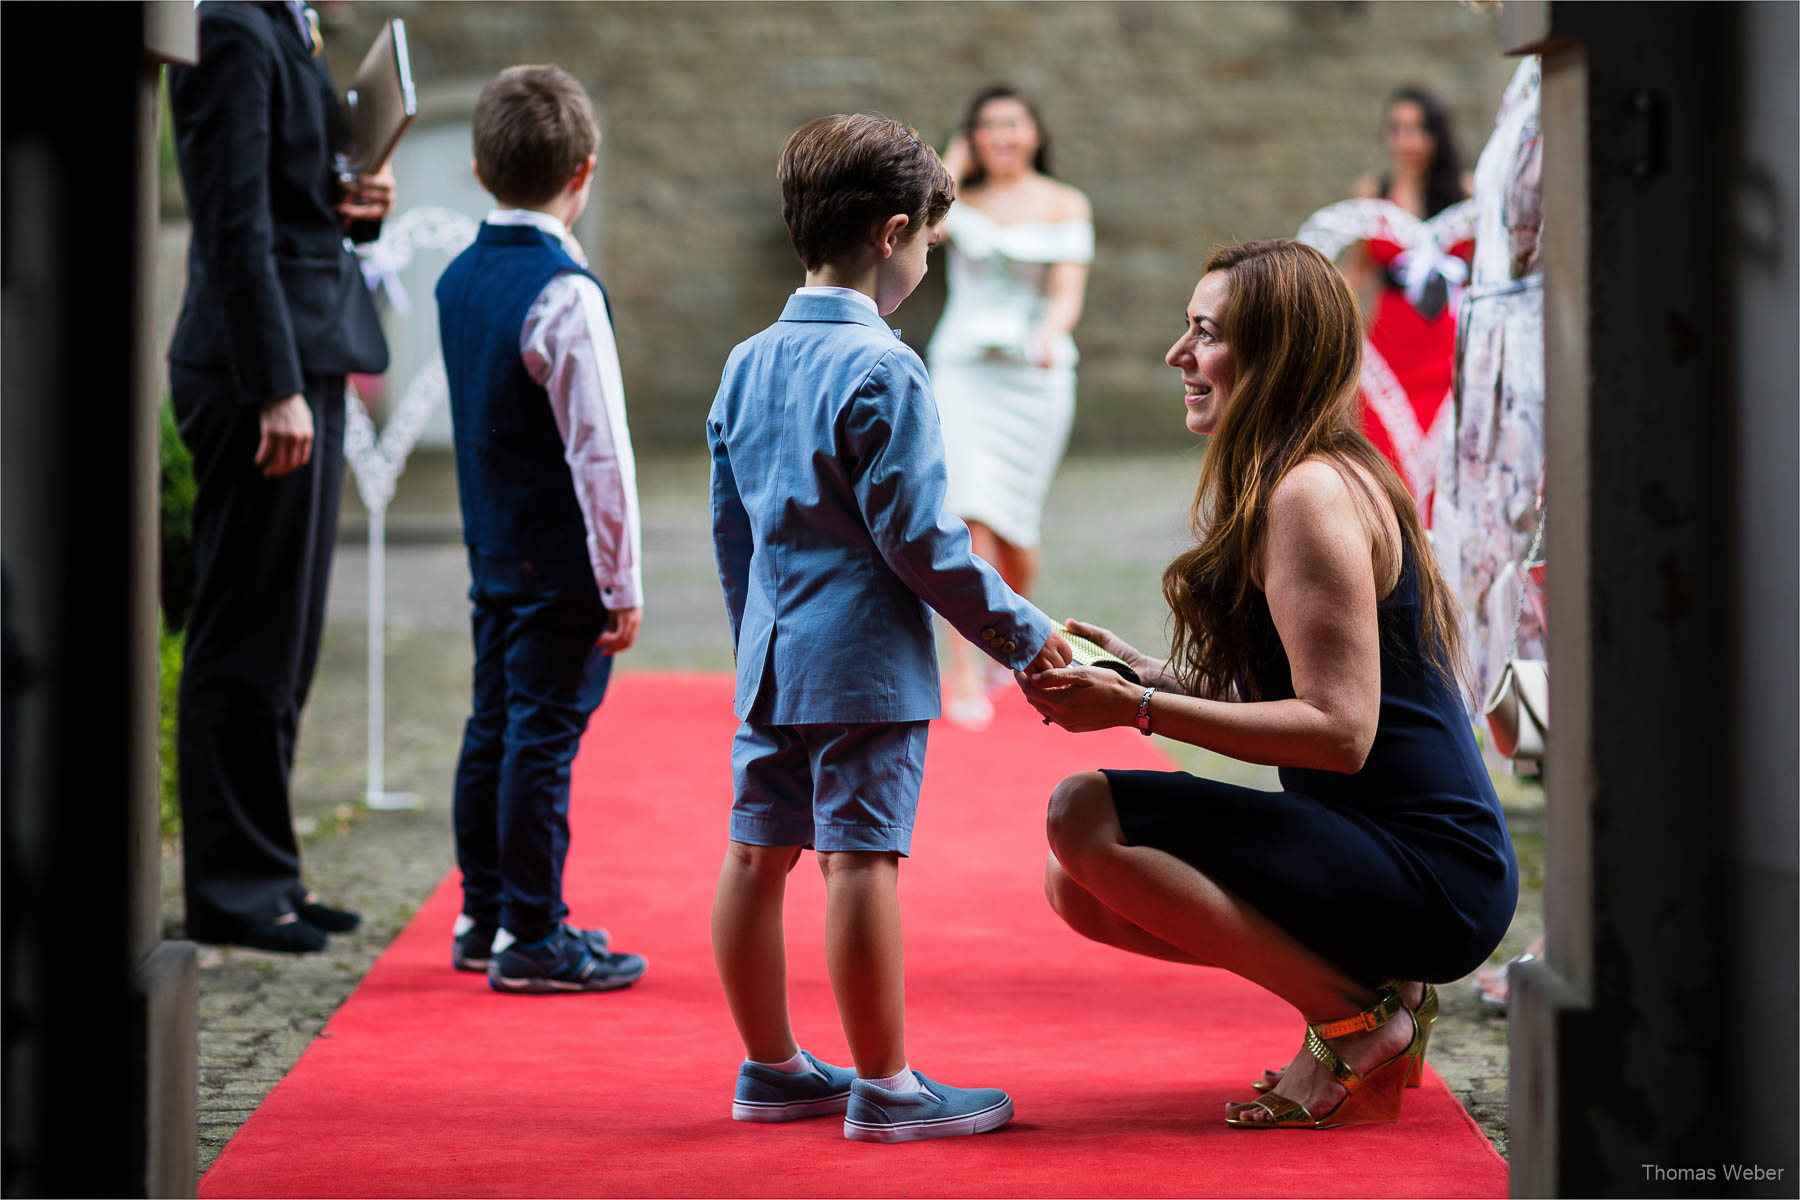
(1295, 336)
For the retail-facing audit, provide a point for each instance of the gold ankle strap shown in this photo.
(1373, 1017)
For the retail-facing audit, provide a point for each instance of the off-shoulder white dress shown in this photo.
(1006, 422)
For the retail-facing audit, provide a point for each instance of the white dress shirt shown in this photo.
(863, 298)
(568, 346)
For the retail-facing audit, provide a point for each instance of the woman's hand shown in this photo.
(1116, 646)
(959, 160)
(1082, 699)
(1040, 348)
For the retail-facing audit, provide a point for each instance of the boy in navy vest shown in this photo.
(545, 474)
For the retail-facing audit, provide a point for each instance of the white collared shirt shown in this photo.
(568, 345)
(862, 298)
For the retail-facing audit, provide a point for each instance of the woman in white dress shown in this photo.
(1002, 359)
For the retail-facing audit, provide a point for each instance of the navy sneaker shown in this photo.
(472, 943)
(936, 1110)
(598, 940)
(767, 1095)
(563, 962)
(472, 946)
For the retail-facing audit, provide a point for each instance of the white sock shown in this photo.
(905, 1081)
(796, 1065)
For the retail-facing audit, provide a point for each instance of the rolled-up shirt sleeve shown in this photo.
(567, 342)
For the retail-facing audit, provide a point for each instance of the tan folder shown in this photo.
(381, 102)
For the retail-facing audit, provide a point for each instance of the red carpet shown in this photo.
(426, 1083)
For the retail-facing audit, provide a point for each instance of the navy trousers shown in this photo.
(262, 549)
(538, 678)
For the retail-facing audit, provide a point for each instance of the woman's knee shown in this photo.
(1081, 808)
(1064, 894)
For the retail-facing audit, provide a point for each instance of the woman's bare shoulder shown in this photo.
(1366, 188)
(1068, 203)
(1323, 502)
(1315, 489)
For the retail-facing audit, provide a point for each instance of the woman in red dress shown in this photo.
(1407, 277)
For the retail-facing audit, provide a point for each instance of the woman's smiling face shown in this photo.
(1202, 357)
(1005, 138)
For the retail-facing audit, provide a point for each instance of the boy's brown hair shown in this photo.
(534, 127)
(841, 175)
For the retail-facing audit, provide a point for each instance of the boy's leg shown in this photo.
(771, 821)
(750, 950)
(864, 956)
(475, 808)
(866, 794)
(555, 678)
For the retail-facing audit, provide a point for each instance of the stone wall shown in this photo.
(1188, 125)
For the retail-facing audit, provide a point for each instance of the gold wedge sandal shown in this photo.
(1425, 1016)
(1373, 1098)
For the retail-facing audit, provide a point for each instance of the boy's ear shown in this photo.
(583, 173)
(889, 232)
(475, 170)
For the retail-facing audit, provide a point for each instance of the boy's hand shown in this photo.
(621, 629)
(1055, 654)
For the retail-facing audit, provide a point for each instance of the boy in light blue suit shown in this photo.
(827, 489)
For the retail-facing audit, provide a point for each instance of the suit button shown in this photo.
(1011, 646)
(987, 635)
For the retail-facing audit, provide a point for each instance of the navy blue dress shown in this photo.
(1402, 870)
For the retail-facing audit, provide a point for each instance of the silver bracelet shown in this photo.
(1143, 713)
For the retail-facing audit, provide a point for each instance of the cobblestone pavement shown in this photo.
(1113, 521)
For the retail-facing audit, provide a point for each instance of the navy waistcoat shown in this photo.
(518, 500)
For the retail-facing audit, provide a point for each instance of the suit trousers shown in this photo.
(262, 550)
(538, 678)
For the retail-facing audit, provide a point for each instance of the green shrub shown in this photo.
(176, 577)
(168, 674)
(176, 588)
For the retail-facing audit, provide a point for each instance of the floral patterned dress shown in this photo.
(1490, 481)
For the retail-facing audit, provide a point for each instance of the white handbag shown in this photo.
(1518, 709)
(1518, 706)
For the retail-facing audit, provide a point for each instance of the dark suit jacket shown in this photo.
(272, 291)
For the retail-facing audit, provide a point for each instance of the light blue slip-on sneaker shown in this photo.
(937, 1110)
(767, 1095)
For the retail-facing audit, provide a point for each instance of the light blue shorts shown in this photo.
(827, 787)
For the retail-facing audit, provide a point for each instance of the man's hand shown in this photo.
(621, 629)
(287, 436)
(1055, 654)
(367, 197)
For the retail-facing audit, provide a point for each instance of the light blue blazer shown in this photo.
(827, 504)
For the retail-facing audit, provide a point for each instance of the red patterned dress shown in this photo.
(1409, 365)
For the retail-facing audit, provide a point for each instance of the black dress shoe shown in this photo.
(331, 920)
(283, 937)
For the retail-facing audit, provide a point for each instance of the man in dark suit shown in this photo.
(276, 314)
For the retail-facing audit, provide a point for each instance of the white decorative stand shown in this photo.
(376, 461)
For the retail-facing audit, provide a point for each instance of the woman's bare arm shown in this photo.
(1318, 573)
